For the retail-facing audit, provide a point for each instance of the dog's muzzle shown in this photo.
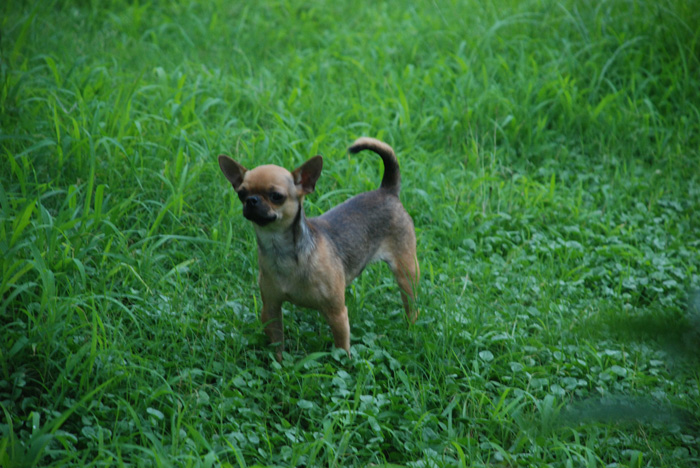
(258, 212)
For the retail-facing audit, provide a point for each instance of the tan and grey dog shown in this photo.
(309, 262)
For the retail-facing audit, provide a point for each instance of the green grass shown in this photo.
(550, 156)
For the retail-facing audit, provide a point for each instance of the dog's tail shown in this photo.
(391, 180)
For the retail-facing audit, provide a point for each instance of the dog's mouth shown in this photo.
(261, 219)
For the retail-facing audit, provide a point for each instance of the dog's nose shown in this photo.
(252, 201)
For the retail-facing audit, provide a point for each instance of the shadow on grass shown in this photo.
(624, 409)
(678, 335)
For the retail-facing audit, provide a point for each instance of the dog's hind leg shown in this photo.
(404, 265)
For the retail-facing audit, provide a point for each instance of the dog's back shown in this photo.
(359, 222)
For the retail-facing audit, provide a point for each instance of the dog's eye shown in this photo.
(277, 198)
(242, 195)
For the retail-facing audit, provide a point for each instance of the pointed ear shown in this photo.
(307, 174)
(233, 171)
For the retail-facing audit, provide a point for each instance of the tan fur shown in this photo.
(303, 261)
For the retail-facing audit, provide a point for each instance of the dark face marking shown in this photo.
(272, 195)
(257, 211)
(276, 197)
(261, 219)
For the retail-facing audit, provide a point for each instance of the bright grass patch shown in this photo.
(550, 156)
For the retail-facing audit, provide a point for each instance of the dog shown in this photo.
(310, 262)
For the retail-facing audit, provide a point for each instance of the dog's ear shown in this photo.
(233, 171)
(306, 175)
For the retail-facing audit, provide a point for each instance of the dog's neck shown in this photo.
(287, 244)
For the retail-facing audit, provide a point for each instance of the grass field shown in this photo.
(550, 156)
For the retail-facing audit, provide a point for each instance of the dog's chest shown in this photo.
(309, 280)
(294, 284)
(284, 273)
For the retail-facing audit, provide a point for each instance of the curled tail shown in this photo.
(391, 180)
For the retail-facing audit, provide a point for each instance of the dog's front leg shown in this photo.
(271, 318)
(337, 318)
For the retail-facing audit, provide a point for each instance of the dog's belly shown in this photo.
(312, 294)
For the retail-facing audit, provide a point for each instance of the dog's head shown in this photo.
(271, 195)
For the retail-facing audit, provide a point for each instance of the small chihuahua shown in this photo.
(309, 262)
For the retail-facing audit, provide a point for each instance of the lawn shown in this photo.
(550, 157)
